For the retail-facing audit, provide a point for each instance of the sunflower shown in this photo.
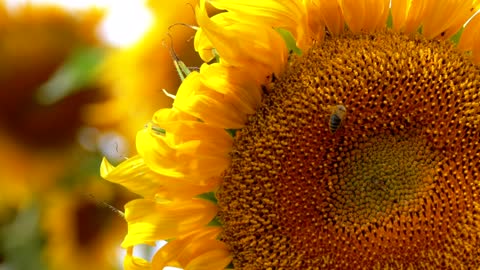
(79, 232)
(321, 135)
(38, 135)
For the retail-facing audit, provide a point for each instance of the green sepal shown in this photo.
(232, 132)
(390, 19)
(209, 196)
(456, 37)
(79, 70)
(215, 222)
(217, 56)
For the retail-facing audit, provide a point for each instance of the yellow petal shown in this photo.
(184, 127)
(133, 174)
(212, 260)
(416, 13)
(260, 48)
(460, 20)
(219, 95)
(441, 16)
(202, 157)
(399, 11)
(366, 15)
(331, 14)
(149, 221)
(286, 14)
(471, 31)
(235, 84)
(175, 189)
(203, 46)
(208, 105)
(476, 49)
(134, 263)
(198, 250)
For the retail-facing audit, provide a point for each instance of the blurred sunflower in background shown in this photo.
(318, 135)
(135, 76)
(37, 126)
(56, 73)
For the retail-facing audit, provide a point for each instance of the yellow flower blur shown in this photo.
(36, 134)
(135, 76)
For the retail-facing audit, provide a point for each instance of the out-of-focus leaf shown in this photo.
(78, 71)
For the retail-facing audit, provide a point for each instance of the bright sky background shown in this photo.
(125, 22)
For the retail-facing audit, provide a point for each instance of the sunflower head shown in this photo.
(386, 187)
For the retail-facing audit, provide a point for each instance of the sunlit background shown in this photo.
(78, 79)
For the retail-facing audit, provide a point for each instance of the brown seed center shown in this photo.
(396, 185)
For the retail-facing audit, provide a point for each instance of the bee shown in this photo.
(339, 112)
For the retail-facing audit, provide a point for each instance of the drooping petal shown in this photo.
(149, 221)
(260, 46)
(208, 105)
(331, 14)
(367, 15)
(219, 95)
(217, 258)
(181, 127)
(443, 18)
(407, 14)
(197, 250)
(460, 20)
(133, 174)
(287, 14)
(195, 158)
(470, 39)
(131, 262)
(235, 84)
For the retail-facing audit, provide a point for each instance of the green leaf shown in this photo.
(289, 40)
(77, 72)
(456, 38)
(215, 222)
(390, 19)
(209, 196)
(232, 132)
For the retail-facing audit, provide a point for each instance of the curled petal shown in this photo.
(196, 99)
(219, 95)
(330, 13)
(470, 39)
(407, 15)
(195, 158)
(365, 15)
(287, 14)
(198, 250)
(131, 262)
(259, 46)
(133, 174)
(149, 221)
(444, 18)
(217, 258)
